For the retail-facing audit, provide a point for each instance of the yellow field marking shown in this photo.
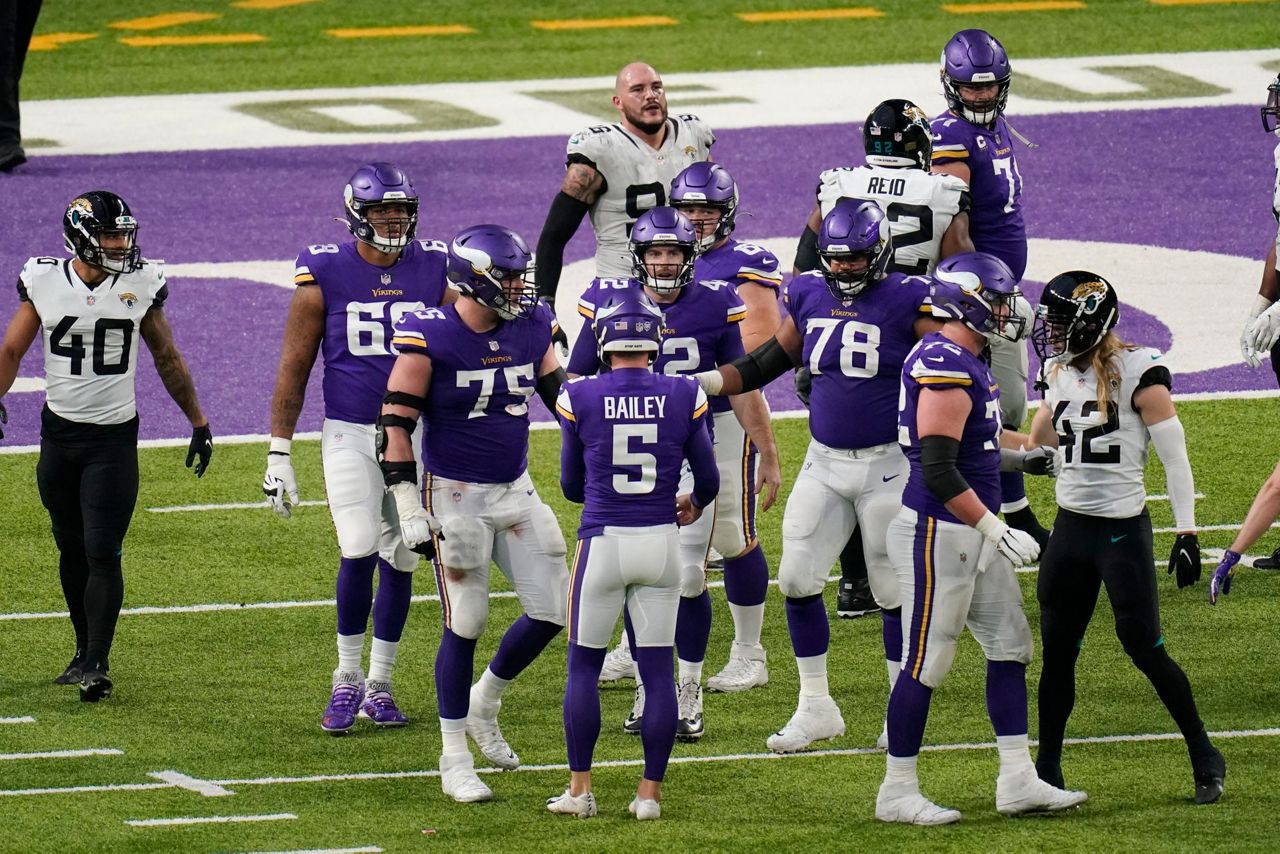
(172, 19)
(385, 32)
(1013, 6)
(604, 23)
(269, 4)
(810, 15)
(1203, 2)
(53, 41)
(178, 41)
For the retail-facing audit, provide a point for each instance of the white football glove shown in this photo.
(711, 381)
(417, 526)
(280, 484)
(1018, 547)
(1264, 330)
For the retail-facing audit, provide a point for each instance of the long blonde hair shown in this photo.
(1105, 366)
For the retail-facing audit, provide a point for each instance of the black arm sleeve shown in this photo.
(562, 222)
(548, 387)
(763, 365)
(807, 252)
(938, 459)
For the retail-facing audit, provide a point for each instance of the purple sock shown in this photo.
(891, 634)
(522, 643)
(630, 630)
(908, 713)
(454, 664)
(693, 627)
(658, 728)
(582, 705)
(807, 622)
(1007, 697)
(746, 578)
(1012, 487)
(391, 605)
(355, 594)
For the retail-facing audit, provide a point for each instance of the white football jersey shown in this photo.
(637, 177)
(1104, 453)
(920, 206)
(91, 336)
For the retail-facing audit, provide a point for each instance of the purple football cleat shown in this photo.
(380, 707)
(340, 714)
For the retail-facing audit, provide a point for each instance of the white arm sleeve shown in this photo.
(1171, 444)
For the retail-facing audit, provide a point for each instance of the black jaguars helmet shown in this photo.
(1077, 309)
(88, 218)
(1271, 112)
(897, 134)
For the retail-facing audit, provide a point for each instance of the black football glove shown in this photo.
(4, 418)
(558, 336)
(804, 385)
(201, 446)
(1185, 559)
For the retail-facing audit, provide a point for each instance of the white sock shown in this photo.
(350, 652)
(901, 770)
(690, 670)
(490, 688)
(813, 676)
(454, 735)
(1014, 506)
(748, 622)
(894, 668)
(1015, 755)
(382, 657)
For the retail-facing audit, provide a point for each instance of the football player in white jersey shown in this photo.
(1262, 327)
(90, 311)
(1104, 400)
(617, 172)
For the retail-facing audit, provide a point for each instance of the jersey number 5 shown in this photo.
(623, 456)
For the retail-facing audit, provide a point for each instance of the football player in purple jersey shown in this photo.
(700, 331)
(707, 194)
(973, 141)
(347, 300)
(626, 434)
(470, 368)
(953, 557)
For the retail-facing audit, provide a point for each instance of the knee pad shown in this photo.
(399, 556)
(468, 607)
(1138, 640)
(693, 580)
(939, 655)
(1012, 642)
(102, 550)
(803, 512)
(546, 528)
(798, 579)
(358, 532)
(466, 544)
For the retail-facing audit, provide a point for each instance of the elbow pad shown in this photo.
(938, 459)
(807, 251)
(548, 387)
(763, 365)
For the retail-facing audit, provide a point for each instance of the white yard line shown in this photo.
(183, 781)
(25, 719)
(210, 819)
(367, 849)
(63, 754)
(242, 505)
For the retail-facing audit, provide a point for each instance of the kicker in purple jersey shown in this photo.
(737, 262)
(854, 350)
(995, 184)
(939, 363)
(699, 330)
(362, 304)
(477, 412)
(626, 434)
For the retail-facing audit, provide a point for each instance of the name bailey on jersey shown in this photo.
(634, 407)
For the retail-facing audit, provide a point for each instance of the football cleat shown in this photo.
(1270, 564)
(1210, 777)
(854, 599)
(580, 806)
(816, 719)
(715, 561)
(344, 703)
(746, 669)
(95, 685)
(618, 664)
(380, 707)
(882, 740)
(482, 726)
(631, 726)
(1023, 792)
(689, 723)
(1050, 772)
(459, 780)
(71, 676)
(899, 802)
(645, 809)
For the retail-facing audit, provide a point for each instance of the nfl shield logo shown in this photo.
(386, 278)
(90, 299)
(494, 345)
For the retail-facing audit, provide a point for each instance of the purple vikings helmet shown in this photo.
(971, 287)
(377, 184)
(975, 57)
(706, 184)
(629, 323)
(90, 215)
(663, 226)
(484, 260)
(1271, 112)
(854, 229)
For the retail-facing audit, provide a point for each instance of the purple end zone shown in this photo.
(1136, 177)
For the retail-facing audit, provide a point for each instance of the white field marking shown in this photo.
(27, 384)
(64, 754)
(1163, 497)
(25, 719)
(242, 505)
(183, 781)
(208, 819)
(367, 849)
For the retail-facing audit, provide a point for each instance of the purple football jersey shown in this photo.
(362, 304)
(995, 184)
(699, 330)
(737, 262)
(625, 435)
(477, 413)
(937, 362)
(854, 349)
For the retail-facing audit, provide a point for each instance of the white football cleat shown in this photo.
(618, 664)
(645, 809)
(746, 670)
(903, 803)
(635, 719)
(816, 718)
(690, 725)
(482, 726)
(882, 740)
(459, 781)
(1023, 792)
(580, 806)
